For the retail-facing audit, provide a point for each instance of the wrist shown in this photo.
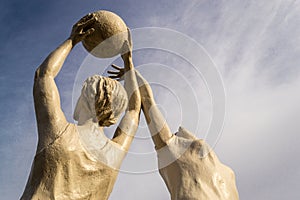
(126, 58)
(128, 61)
(73, 41)
(128, 64)
(129, 67)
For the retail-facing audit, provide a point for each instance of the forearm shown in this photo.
(127, 128)
(131, 86)
(146, 95)
(144, 87)
(54, 62)
(156, 122)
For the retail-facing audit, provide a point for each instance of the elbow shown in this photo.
(138, 101)
(134, 104)
(37, 85)
(41, 81)
(41, 73)
(37, 74)
(37, 81)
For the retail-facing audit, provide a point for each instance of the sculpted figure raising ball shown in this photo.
(78, 161)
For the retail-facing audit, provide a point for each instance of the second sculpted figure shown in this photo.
(189, 167)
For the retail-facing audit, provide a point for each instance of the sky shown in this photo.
(255, 45)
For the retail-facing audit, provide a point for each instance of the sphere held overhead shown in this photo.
(109, 36)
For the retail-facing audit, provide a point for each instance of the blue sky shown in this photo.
(255, 45)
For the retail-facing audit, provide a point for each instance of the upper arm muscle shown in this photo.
(50, 118)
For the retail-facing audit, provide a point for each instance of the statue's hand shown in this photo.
(83, 28)
(127, 47)
(118, 75)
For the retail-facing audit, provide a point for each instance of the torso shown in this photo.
(66, 170)
(195, 173)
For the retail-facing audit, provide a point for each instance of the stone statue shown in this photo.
(188, 166)
(77, 161)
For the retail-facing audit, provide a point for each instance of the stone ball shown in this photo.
(109, 36)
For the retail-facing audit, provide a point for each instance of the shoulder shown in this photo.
(48, 136)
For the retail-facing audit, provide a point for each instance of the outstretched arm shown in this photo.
(50, 118)
(127, 128)
(156, 122)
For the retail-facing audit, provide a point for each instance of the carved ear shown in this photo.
(182, 132)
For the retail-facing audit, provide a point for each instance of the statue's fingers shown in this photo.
(88, 32)
(116, 67)
(114, 77)
(88, 22)
(113, 72)
(87, 17)
(82, 19)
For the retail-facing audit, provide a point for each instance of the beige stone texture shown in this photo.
(109, 36)
(66, 170)
(78, 162)
(192, 171)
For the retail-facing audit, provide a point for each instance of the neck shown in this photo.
(91, 122)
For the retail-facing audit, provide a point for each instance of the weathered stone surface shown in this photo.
(192, 171)
(65, 170)
(109, 35)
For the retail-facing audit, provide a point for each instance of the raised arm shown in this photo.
(156, 122)
(51, 120)
(129, 123)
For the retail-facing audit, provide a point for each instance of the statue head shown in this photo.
(102, 99)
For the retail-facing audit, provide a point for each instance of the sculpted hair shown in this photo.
(102, 99)
(110, 101)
